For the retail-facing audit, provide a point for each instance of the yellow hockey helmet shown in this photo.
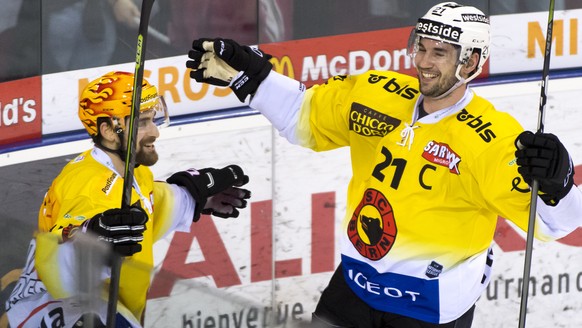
(111, 95)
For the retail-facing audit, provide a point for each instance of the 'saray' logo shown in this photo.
(441, 154)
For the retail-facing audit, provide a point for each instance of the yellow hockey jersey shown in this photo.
(89, 185)
(425, 194)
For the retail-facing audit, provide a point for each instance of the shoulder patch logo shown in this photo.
(372, 228)
(371, 123)
(433, 270)
(442, 154)
(78, 158)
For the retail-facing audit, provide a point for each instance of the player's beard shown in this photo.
(438, 88)
(146, 155)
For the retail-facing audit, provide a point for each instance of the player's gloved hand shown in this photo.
(218, 61)
(121, 227)
(542, 157)
(225, 203)
(216, 191)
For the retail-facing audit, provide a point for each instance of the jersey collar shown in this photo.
(445, 112)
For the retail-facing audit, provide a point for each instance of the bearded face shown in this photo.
(147, 133)
(146, 152)
(436, 64)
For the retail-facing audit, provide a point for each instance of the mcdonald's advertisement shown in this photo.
(20, 110)
(313, 61)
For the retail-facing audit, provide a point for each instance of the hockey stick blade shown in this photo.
(116, 261)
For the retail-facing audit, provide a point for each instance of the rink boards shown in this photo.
(281, 251)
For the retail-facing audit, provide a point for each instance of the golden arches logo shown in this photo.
(283, 66)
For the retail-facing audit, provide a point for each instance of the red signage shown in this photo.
(20, 110)
(313, 61)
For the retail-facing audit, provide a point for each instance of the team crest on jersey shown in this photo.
(371, 123)
(441, 154)
(372, 228)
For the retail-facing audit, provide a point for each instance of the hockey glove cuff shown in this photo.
(543, 157)
(218, 61)
(216, 191)
(122, 228)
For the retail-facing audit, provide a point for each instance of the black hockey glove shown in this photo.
(215, 191)
(542, 157)
(218, 61)
(122, 228)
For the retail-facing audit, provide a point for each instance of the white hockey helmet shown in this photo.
(464, 26)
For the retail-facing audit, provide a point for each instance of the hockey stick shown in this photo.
(146, 8)
(535, 184)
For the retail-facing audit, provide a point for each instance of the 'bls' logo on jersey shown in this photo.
(372, 228)
(476, 123)
(442, 154)
(391, 86)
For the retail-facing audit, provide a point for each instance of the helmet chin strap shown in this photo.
(120, 151)
(453, 88)
(460, 81)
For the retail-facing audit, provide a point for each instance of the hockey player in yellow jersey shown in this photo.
(85, 196)
(433, 166)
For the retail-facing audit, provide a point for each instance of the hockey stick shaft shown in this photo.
(131, 131)
(535, 184)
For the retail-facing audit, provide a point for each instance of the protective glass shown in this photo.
(412, 45)
(415, 49)
(162, 117)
